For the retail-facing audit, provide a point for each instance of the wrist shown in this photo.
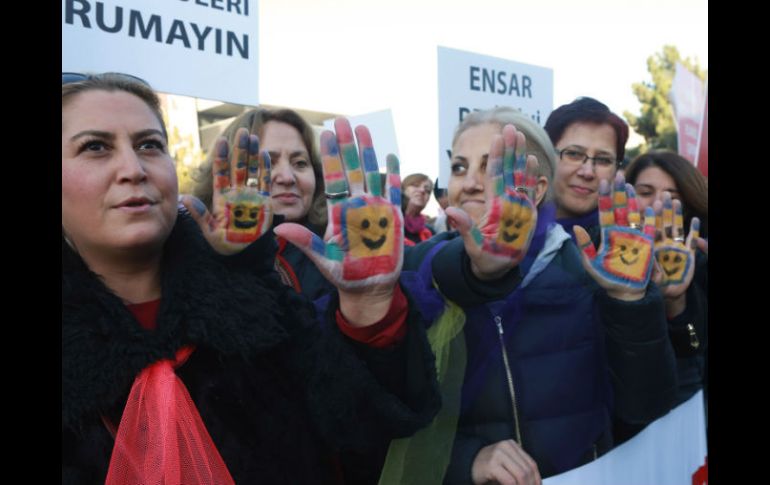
(626, 295)
(675, 306)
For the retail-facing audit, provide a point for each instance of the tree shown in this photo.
(656, 121)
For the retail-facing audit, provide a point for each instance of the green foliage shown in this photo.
(656, 121)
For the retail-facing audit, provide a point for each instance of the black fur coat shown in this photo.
(279, 390)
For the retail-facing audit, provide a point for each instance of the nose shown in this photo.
(474, 181)
(587, 170)
(281, 172)
(131, 167)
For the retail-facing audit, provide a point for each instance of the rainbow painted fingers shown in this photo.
(502, 237)
(241, 197)
(675, 255)
(625, 257)
(364, 238)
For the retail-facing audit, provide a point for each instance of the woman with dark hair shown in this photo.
(185, 365)
(669, 182)
(297, 190)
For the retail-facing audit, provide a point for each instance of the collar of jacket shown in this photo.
(208, 302)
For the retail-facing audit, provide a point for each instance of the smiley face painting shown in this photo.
(675, 263)
(515, 224)
(370, 226)
(628, 257)
(244, 219)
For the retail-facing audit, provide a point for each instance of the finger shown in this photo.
(369, 158)
(634, 219)
(265, 181)
(520, 173)
(495, 180)
(584, 242)
(393, 181)
(198, 211)
(649, 222)
(528, 461)
(693, 236)
(620, 201)
(606, 216)
(678, 221)
(510, 167)
(657, 272)
(350, 159)
(220, 170)
(702, 244)
(532, 166)
(657, 207)
(472, 237)
(334, 175)
(668, 216)
(306, 241)
(238, 167)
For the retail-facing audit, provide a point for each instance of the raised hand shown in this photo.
(674, 255)
(502, 238)
(241, 202)
(624, 263)
(362, 249)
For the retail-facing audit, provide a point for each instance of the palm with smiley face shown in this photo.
(625, 259)
(675, 257)
(241, 198)
(503, 235)
(363, 244)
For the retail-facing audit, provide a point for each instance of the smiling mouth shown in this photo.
(374, 244)
(244, 224)
(509, 238)
(671, 272)
(629, 263)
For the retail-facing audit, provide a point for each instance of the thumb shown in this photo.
(198, 211)
(471, 235)
(302, 237)
(584, 242)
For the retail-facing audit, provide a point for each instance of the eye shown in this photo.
(459, 169)
(151, 144)
(365, 224)
(677, 259)
(238, 213)
(383, 222)
(253, 213)
(604, 161)
(92, 146)
(300, 163)
(622, 248)
(574, 155)
(635, 250)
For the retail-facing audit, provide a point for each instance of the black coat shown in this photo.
(278, 393)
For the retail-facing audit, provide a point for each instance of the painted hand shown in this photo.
(624, 263)
(241, 202)
(363, 246)
(509, 223)
(675, 257)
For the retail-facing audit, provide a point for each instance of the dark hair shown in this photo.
(691, 185)
(113, 81)
(255, 120)
(587, 110)
(437, 192)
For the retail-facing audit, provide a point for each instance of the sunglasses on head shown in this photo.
(74, 77)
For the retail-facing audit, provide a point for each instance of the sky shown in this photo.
(359, 56)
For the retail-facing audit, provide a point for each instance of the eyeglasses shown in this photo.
(74, 77)
(571, 155)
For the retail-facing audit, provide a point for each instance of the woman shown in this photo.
(180, 366)
(297, 191)
(416, 189)
(665, 176)
(529, 378)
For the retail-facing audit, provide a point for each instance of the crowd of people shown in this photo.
(299, 319)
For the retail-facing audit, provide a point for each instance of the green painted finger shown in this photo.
(371, 169)
(350, 159)
(495, 171)
(620, 201)
(393, 180)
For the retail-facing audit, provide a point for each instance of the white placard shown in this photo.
(382, 129)
(469, 81)
(201, 48)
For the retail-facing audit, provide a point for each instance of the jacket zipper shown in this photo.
(694, 342)
(498, 322)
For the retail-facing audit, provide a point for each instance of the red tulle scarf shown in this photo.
(161, 439)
